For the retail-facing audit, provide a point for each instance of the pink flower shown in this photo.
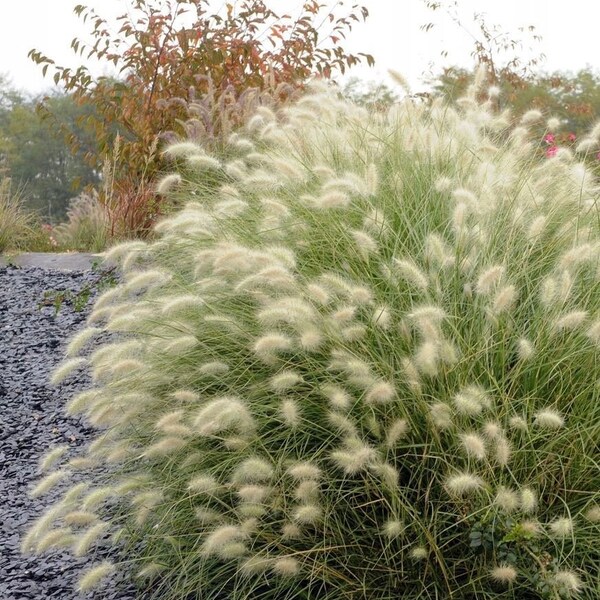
(571, 137)
(549, 138)
(598, 156)
(551, 151)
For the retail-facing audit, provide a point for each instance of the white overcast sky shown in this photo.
(391, 34)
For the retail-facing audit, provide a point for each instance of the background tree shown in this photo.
(36, 157)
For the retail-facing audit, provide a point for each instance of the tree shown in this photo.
(35, 157)
(500, 51)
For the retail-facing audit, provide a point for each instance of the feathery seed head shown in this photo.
(530, 528)
(66, 369)
(466, 197)
(365, 244)
(518, 423)
(504, 299)
(204, 484)
(568, 582)
(531, 116)
(49, 482)
(507, 500)
(593, 514)
(528, 500)
(304, 470)
(207, 516)
(382, 317)
(183, 149)
(291, 531)
(252, 470)
(172, 418)
(308, 514)
(387, 473)
(419, 553)
(215, 367)
(553, 124)
(186, 396)
(381, 392)
(217, 542)
(344, 314)
(168, 183)
(489, 279)
(354, 457)
(222, 414)
(255, 565)
(393, 529)
(286, 566)
(411, 273)
(80, 518)
(85, 541)
(81, 339)
(525, 349)
(333, 199)
(202, 162)
(502, 451)
(395, 432)
(272, 343)
(427, 358)
(471, 401)
(146, 280)
(536, 228)
(150, 571)
(290, 412)
(184, 303)
(285, 381)
(165, 446)
(341, 423)
(52, 457)
(443, 184)
(587, 145)
(57, 538)
(492, 430)
(441, 415)
(94, 576)
(561, 527)
(307, 491)
(180, 345)
(338, 398)
(473, 445)
(463, 484)
(504, 574)
(548, 418)
(570, 321)
(311, 339)
(254, 494)
(97, 497)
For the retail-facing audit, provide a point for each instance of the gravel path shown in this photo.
(32, 342)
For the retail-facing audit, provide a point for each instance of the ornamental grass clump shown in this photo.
(361, 362)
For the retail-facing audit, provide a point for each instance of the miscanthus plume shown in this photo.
(360, 361)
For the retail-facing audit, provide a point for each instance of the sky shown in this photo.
(392, 34)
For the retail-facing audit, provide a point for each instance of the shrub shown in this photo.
(360, 363)
(168, 53)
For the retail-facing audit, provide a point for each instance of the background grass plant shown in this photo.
(19, 227)
(361, 362)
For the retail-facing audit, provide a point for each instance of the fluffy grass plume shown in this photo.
(360, 362)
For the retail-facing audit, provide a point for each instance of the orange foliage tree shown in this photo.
(170, 53)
